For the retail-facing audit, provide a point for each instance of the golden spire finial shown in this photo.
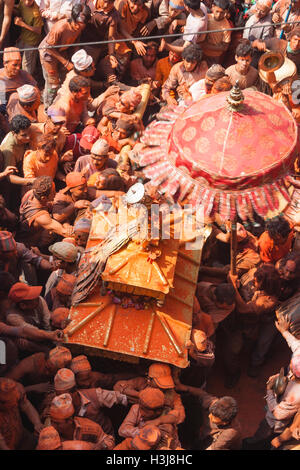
(235, 98)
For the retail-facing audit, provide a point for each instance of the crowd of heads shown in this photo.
(71, 121)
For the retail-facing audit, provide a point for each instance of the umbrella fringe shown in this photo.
(156, 133)
(241, 205)
(280, 185)
(269, 197)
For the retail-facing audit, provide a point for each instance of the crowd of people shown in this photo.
(66, 114)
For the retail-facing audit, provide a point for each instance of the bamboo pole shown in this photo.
(233, 247)
(85, 320)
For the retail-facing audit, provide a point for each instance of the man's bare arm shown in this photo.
(8, 9)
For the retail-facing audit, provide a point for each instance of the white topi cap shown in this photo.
(81, 60)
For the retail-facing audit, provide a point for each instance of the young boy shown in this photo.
(31, 23)
(242, 70)
(217, 43)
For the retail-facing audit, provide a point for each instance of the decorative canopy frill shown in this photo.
(232, 162)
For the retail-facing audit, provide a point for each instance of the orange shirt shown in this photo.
(11, 427)
(132, 22)
(163, 69)
(271, 252)
(37, 132)
(32, 167)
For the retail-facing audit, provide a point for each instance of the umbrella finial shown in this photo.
(235, 98)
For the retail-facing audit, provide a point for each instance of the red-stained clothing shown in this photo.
(209, 306)
(138, 71)
(11, 427)
(14, 107)
(180, 77)
(226, 437)
(92, 401)
(10, 85)
(89, 403)
(86, 166)
(269, 251)
(61, 33)
(134, 421)
(97, 379)
(172, 399)
(87, 430)
(132, 22)
(31, 208)
(38, 317)
(33, 167)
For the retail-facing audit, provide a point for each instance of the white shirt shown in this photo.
(195, 24)
(197, 90)
(54, 10)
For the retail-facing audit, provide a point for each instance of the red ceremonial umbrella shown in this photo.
(229, 153)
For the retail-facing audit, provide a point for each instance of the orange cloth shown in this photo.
(32, 167)
(269, 251)
(163, 69)
(114, 146)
